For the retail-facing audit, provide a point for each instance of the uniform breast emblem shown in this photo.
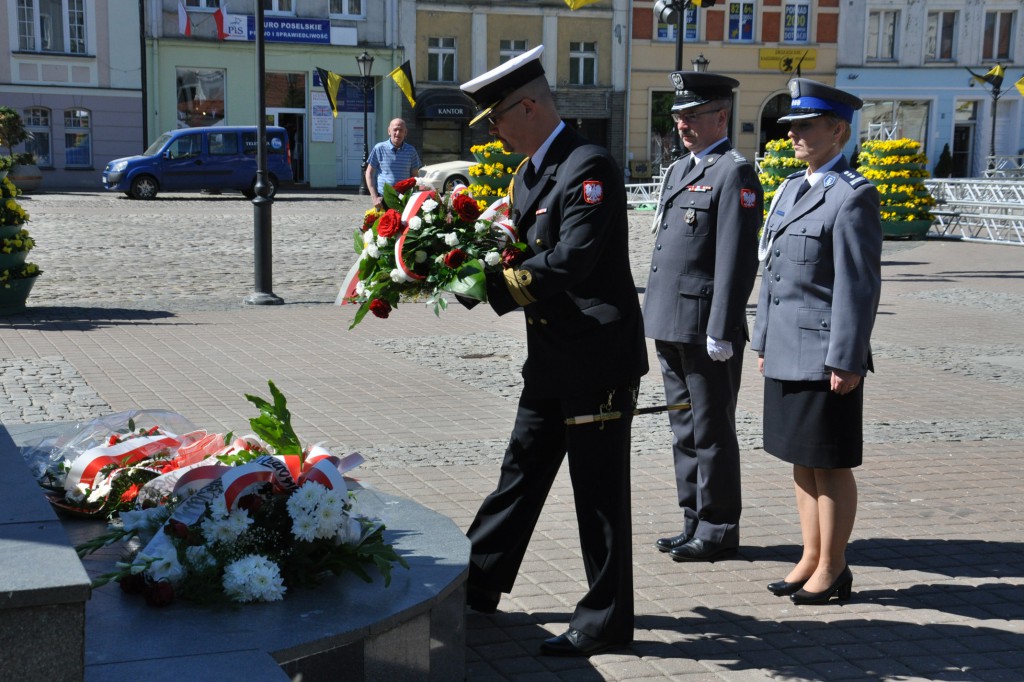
(593, 191)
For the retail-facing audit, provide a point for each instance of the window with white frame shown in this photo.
(441, 60)
(202, 4)
(882, 34)
(279, 6)
(998, 35)
(582, 63)
(37, 122)
(347, 9)
(741, 22)
(940, 38)
(507, 49)
(796, 21)
(77, 139)
(667, 32)
(52, 26)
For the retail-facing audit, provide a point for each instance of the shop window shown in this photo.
(77, 139)
(582, 63)
(37, 122)
(200, 97)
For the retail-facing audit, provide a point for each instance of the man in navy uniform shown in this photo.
(586, 354)
(702, 272)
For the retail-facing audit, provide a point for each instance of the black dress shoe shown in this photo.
(842, 588)
(482, 601)
(574, 643)
(668, 544)
(782, 588)
(702, 550)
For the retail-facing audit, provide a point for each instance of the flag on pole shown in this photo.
(184, 24)
(330, 82)
(994, 76)
(1020, 86)
(220, 18)
(576, 4)
(403, 79)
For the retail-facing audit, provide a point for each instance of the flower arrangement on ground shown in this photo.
(247, 524)
(898, 170)
(779, 162)
(423, 244)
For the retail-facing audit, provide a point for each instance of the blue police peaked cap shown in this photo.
(811, 99)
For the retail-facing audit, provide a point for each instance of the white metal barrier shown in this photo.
(972, 209)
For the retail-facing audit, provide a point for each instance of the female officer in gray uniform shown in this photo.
(821, 257)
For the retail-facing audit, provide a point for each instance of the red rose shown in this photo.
(113, 440)
(160, 593)
(466, 207)
(176, 529)
(403, 186)
(380, 308)
(512, 257)
(455, 258)
(390, 223)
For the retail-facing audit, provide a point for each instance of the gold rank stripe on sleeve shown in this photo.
(517, 282)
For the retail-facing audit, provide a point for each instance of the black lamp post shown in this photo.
(365, 62)
(261, 204)
(994, 78)
(701, 63)
(666, 10)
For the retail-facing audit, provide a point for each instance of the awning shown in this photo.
(444, 104)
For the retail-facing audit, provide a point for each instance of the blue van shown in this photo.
(212, 158)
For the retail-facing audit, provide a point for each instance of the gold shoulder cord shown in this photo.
(511, 184)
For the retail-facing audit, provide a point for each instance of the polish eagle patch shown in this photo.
(748, 198)
(593, 191)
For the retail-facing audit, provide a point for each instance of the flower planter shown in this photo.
(492, 182)
(8, 231)
(14, 294)
(27, 177)
(9, 261)
(914, 229)
(512, 161)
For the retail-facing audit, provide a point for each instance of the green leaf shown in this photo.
(391, 198)
(360, 314)
(274, 425)
(470, 282)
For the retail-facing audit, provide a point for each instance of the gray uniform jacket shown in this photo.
(705, 255)
(821, 279)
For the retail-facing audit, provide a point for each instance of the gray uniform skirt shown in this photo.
(806, 423)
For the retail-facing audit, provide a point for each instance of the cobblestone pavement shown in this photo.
(140, 305)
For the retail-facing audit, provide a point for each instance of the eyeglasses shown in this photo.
(690, 118)
(495, 118)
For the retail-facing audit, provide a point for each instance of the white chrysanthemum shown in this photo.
(217, 531)
(372, 251)
(304, 527)
(492, 258)
(238, 520)
(253, 578)
(309, 495)
(99, 493)
(199, 558)
(428, 218)
(397, 276)
(329, 521)
(415, 223)
(219, 508)
(428, 206)
(368, 237)
(382, 241)
(79, 493)
(165, 564)
(420, 256)
(481, 227)
(451, 239)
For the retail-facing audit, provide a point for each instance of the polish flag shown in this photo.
(220, 17)
(184, 25)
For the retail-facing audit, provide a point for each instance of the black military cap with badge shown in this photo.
(694, 88)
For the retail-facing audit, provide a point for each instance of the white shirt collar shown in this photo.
(814, 178)
(538, 156)
(699, 156)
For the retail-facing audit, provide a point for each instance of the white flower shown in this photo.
(253, 578)
(309, 495)
(360, 288)
(481, 227)
(428, 206)
(238, 521)
(99, 493)
(164, 564)
(146, 522)
(420, 256)
(397, 276)
(218, 530)
(492, 258)
(372, 251)
(415, 223)
(350, 532)
(304, 527)
(451, 239)
(428, 218)
(368, 237)
(199, 558)
(219, 508)
(78, 495)
(382, 241)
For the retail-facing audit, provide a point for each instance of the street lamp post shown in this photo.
(701, 63)
(994, 78)
(365, 62)
(666, 10)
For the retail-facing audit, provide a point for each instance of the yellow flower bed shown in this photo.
(491, 170)
(488, 149)
(901, 147)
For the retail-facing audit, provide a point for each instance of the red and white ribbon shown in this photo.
(87, 466)
(412, 209)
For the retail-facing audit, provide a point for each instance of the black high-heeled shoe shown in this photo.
(842, 587)
(782, 588)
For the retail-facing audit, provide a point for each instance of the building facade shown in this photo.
(911, 62)
(72, 73)
(761, 44)
(585, 59)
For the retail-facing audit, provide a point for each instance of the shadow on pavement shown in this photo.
(59, 318)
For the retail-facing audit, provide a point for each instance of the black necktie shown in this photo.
(802, 190)
(529, 175)
(690, 165)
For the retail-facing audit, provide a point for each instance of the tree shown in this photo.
(12, 130)
(944, 167)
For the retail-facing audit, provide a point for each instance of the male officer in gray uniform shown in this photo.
(702, 273)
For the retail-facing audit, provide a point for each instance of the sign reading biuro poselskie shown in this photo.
(280, 30)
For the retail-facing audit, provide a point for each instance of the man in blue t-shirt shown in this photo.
(391, 161)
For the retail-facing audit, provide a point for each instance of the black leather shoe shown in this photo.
(782, 588)
(842, 588)
(702, 550)
(668, 544)
(574, 643)
(482, 601)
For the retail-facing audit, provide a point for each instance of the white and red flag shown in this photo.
(184, 23)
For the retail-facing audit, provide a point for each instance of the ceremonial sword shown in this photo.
(608, 416)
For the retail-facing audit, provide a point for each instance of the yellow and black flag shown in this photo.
(1020, 86)
(994, 77)
(576, 4)
(403, 79)
(330, 81)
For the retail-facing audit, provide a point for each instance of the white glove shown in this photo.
(719, 350)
